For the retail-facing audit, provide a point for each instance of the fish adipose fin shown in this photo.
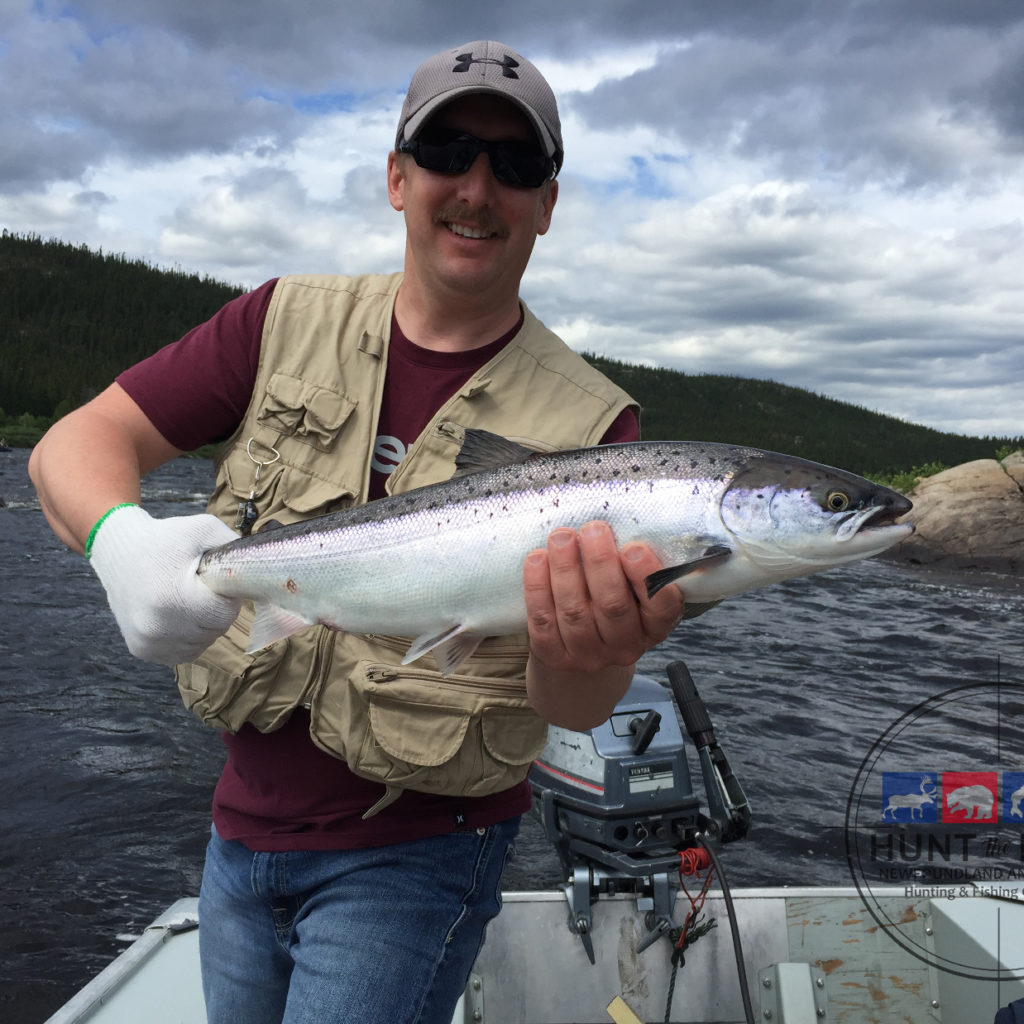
(714, 555)
(450, 648)
(483, 450)
(272, 624)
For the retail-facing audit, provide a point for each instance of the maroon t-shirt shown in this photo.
(279, 791)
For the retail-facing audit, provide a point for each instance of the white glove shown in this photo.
(148, 568)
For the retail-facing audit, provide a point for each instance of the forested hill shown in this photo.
(765, 414)
(71, 319)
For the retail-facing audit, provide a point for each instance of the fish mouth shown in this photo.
(887, 513)
(875, 518)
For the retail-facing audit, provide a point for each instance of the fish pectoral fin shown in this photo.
(714, 555)
(272, 624)
(450, 648)
(483, 450)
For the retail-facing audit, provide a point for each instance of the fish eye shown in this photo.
(837, 501)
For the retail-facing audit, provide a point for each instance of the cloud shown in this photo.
(828, 195)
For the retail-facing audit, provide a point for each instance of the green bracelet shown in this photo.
(102, 519)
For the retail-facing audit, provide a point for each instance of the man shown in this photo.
(359, 840)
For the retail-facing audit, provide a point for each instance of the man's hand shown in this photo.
(148, 569)
(590, 620)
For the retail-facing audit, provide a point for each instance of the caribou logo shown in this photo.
(507, 63)
(912, 801)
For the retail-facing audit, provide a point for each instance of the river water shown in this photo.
(105, 779)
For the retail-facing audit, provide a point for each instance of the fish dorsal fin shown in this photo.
(483, 450)
(451, 647)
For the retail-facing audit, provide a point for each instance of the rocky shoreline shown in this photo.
(969, 517)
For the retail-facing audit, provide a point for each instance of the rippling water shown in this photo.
(106, 779)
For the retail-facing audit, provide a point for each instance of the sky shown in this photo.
(825, 193)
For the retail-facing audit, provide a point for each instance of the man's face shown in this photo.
(469, 233)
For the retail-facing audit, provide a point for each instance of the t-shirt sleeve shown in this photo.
(625, 428)
(195, 391)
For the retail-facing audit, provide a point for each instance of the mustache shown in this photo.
(483, 219)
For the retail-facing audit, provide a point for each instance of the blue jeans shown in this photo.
(387, 934)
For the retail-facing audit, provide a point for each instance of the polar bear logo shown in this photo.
(977, 801)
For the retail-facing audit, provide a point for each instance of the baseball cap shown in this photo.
(484, 66)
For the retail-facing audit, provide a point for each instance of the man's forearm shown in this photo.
(93, 459)
(574, 699)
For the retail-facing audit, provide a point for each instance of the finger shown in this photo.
(614, 604)
(570, 592)
(541, 617)
(663, 612)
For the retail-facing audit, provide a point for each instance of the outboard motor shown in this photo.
(618, 803)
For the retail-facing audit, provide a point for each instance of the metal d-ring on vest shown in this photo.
(247, 514)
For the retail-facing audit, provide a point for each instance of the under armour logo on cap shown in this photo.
(507, 63)
(482, 66)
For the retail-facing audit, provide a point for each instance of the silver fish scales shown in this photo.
(443, 564)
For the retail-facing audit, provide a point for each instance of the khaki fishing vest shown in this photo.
(316, 402)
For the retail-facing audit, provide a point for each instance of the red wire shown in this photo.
(691, 861)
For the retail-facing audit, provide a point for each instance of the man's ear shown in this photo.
(548, 205)
(396, 180)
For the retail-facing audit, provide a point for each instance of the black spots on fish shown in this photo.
(291, 586)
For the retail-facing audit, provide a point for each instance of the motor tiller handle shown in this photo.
(691, 706)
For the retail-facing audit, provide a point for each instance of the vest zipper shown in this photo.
(476, 684)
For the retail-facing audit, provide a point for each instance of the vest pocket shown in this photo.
(460, 736)
(298, 408)
(226, 687)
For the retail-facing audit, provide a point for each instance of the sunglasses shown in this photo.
(512, 162)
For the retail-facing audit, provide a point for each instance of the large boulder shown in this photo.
(970, 516)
